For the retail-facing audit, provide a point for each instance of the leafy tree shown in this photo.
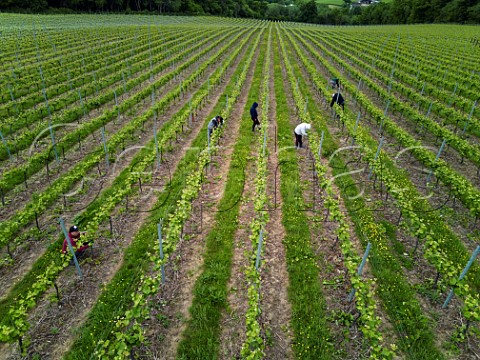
(308, 12)
(474, 13)
(421, 12)
(293, 12)
(100, 4)
(190, 7)
(398, 11)
(274, 11)
(457, 11)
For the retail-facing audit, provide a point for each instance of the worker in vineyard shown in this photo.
(300, 131)
(75, 235)
(337, 98)
(254, 116)
(216, 122)
(335, 83)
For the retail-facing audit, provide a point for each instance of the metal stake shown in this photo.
(462, 275)
(360, 268)
(160, 241)
(65, 233)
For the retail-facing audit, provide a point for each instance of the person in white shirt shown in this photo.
(300, 130)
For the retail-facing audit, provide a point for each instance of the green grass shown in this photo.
(330, 2)
(397, 246)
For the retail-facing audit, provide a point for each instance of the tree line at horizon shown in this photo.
(311, 11)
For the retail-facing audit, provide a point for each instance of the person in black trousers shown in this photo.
(300, 130)
(254, 116)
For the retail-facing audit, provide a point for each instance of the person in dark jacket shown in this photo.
(74, 235)
(254, 116)
(338, 99)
